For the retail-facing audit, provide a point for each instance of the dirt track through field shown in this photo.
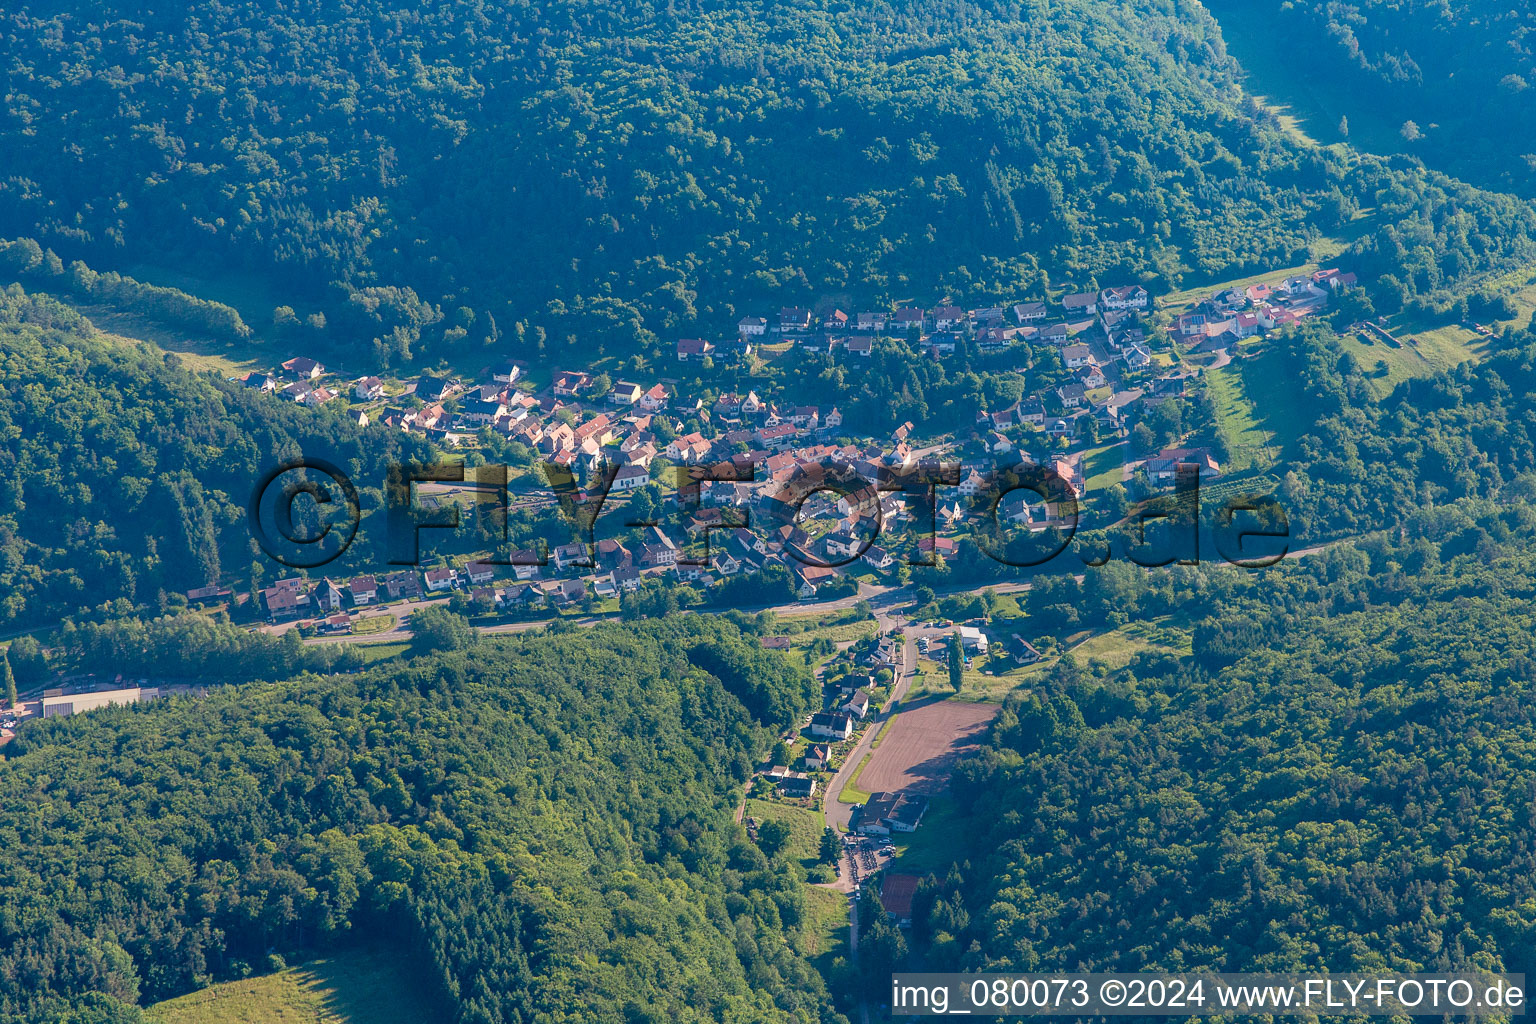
(923, 745)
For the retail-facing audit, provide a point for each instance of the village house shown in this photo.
(435, 389)
(327, 596)
(858, 704)
(1081, 304)
(688, 449)
(569, 556)
(878, 557)
(752, 326)
(948, 318)
(1029, 312)
(402, 585)
(526, 564)
(777, 437)
(286, 599)
(570, 383)
(809, 578)
(1090, 376)
(692, 348)
(303, 368)
(655, 399)
(367, 389)
(804, 416)
(1128, 297)
(1022, 651)
(794, 320)
(1071, 395)
(598, 429)
(506, 372)
(1162, 469)
(438, 580)
(941, 344)
(818, 757)
(1054, 334)
(630, 477)
(625, 392)
(972, 485)
(797, 784)
(363, 590)
(485, 404)
(626, 578)
(833, 725)
(1076, 355)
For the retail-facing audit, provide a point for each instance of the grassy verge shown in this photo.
(851, 793)
(885, 727)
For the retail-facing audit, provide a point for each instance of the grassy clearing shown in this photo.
(1423, 350)
(805, 826)
(374, 653)
(841, 634)
(227, 359)
(1251, 445)
(824, 935)
(1313, 108)
(1103, 467)
(352, 988)
(1276, 405)
(1115, 648)
(937, 843)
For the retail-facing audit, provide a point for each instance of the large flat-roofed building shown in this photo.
(74, 703)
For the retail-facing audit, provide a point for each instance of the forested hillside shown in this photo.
(535, 174)
(540, 829)
(1367, 464)
(1342, 776)
(1451, 76)
(125, 475)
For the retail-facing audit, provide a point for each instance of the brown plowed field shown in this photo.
(922, 746)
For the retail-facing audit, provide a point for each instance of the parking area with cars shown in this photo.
(866, 856)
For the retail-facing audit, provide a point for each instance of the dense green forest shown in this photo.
(1450, 77)
(547, 175)
(1341, 776)
(541, 828)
